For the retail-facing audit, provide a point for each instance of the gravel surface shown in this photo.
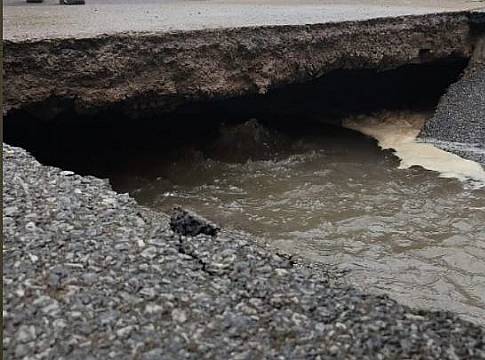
(459, 121)
(90, 274)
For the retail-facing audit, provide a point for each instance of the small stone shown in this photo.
(21, 350)
(56, 277)
(149, 252)
(10, 211)
(333, 349)
(26, 333)
(154, 354)
(413, 316)
(52, 308)
(59, 324)
(123, 332)
(151, 309)
(76, 314)
(6, 341)
(89, 278)
(281, 272)
(148, 292)
(140, 222)
(30, 226)
(179, 315)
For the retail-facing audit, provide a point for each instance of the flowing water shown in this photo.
(333, 195)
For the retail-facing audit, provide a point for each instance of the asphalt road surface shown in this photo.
(49, 19)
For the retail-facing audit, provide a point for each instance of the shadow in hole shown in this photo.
(109, 143)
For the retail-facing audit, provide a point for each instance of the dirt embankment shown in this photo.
(146, 72)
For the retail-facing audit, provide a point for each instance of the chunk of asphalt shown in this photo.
(187, 223)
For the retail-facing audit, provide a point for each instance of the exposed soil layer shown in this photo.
(147, 73)
(61, 140)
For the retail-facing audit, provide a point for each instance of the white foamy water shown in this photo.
(399, 133)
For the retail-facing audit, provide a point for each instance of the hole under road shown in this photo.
(109, 142)
(282, 167)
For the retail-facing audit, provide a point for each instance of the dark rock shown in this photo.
(187, 223)
(72, 2)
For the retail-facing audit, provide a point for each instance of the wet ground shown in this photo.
(332, 195)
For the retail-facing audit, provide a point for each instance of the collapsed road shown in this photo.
(90, 273)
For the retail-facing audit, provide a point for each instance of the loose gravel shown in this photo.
(458, 124)
(89, 274)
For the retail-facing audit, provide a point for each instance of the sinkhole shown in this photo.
(110, 143)
(284, 168)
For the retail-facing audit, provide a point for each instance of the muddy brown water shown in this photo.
(332, 195)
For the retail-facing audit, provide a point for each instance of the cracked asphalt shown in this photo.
(89, 274)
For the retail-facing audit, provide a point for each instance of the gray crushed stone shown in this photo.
(89, 274)
(459, 121)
